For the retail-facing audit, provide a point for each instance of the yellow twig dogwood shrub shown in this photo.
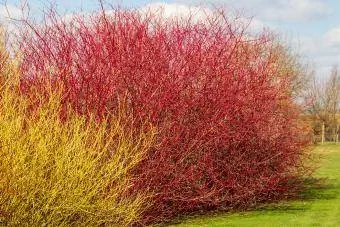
(62, 172)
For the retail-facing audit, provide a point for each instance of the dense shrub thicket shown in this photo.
(69, 172)
(227, 129)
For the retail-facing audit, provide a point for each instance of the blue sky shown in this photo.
(312, 27)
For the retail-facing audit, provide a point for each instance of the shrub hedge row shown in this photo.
(220, 98)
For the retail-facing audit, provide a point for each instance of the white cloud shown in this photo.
(8, 12)
(296, 10)
(332, 37)
(177, 11)
(319, 53)
(274, 10)
(159, 10)
(171, 11)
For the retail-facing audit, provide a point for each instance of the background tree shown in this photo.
(324, 100)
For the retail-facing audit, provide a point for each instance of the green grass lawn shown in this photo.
(320, 207)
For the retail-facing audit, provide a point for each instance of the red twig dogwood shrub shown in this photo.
(228, 135)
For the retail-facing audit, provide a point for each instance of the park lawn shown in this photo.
(320, 207)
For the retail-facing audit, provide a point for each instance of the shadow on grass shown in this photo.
(320, 189)
(316, 189)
